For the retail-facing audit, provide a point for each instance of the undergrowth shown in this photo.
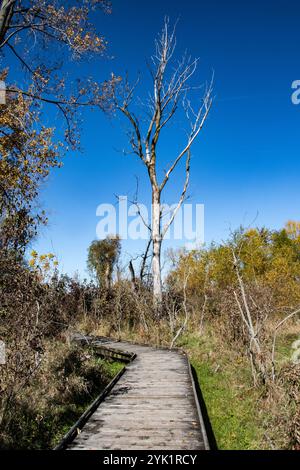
(68, 381)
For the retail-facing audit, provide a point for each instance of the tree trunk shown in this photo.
(156, 240)
(107, 277)
(6, 12)
(132, 274)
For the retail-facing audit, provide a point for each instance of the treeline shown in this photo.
(269, 260)
(249, 286)
(245, 292)
(243, 296)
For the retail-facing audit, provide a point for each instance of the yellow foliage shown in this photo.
(46, 265)
(268, 259)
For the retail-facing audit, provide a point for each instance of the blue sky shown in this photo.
(246, 163)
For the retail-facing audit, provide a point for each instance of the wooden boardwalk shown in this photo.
(152, 406)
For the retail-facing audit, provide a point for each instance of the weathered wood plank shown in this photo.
(151, 407)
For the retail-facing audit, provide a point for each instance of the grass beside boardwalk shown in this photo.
(242, 417)
(66, 416)
(69, 381)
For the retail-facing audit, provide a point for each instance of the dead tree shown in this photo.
(171, 87)
(257, 359)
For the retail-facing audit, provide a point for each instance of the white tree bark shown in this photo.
(6, 13)
(156, 241)
(169, 91)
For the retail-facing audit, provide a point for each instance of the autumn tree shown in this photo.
(41, 36)
(43, 49)
(102, 258)
(170, 92)
(27, 155)
(37, 39)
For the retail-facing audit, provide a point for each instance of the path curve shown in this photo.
(152, 406)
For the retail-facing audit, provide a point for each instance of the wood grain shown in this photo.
(152, 406)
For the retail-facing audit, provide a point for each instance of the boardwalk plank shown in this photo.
(151, 407)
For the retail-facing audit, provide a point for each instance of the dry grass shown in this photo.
(242, 416)
(68, 380)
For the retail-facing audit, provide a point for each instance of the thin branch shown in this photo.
(194, 134)
(20, 59)
(182, 197)
(144, 260)
(279, 325)
(184, 325)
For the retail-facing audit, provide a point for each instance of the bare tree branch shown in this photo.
(170, 91)
(277, 327)
(182, 197)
